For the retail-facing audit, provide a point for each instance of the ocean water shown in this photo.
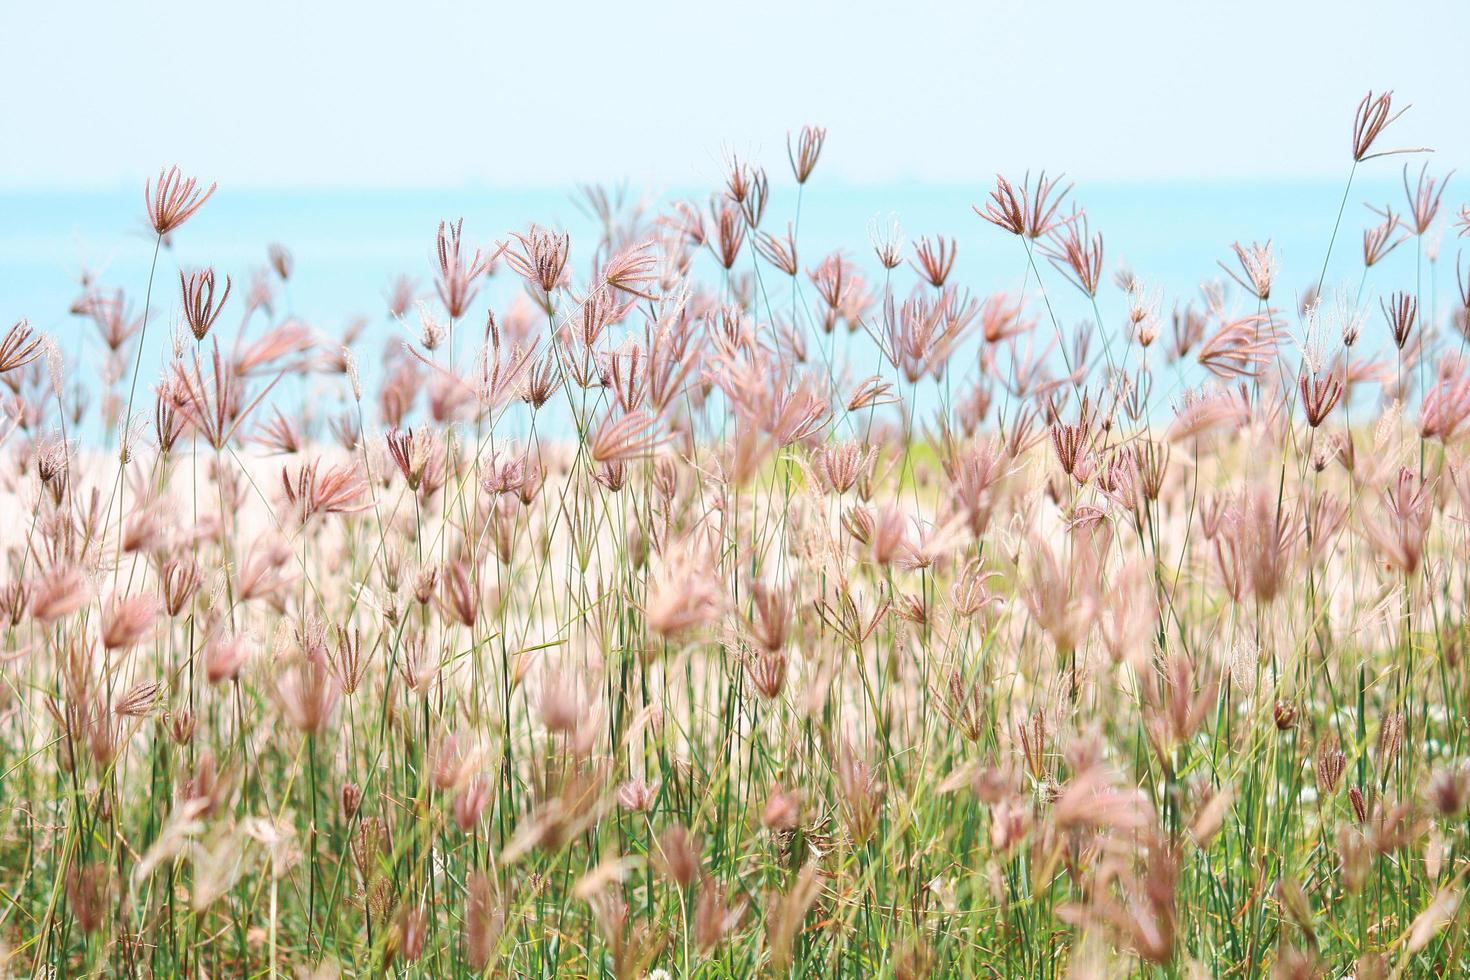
(349, 246)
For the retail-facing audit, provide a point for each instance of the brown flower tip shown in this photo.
(175, 200)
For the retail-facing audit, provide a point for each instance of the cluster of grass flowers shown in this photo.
(650, 623)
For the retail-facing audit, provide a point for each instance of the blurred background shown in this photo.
(346, 131)
(367, 94)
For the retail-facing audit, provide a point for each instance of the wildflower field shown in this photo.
(682, 603)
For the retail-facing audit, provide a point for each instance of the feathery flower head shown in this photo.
(127, 620)
(1424, 198)
(457, 282)
(631, 270)
(541, 258)
(280, 260)
(886, 237)
(935, 259)
(200, 308)
(1319, 393)
(20, 347)
(1076, 253)
(175, 200)
(808, 149)
(307, 694)
(1025, 211)
(1259, 268)
(779, 252)
(1400, 310)
(1374, 115)
(336, 490)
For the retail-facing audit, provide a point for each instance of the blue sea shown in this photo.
(349, 246)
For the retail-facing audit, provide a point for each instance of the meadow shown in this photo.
(680, 603)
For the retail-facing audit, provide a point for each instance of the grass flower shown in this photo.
(200, 308)
(174, 200)
(662, 627)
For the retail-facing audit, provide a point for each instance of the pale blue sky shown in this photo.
(435, 94)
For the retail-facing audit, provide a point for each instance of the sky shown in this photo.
(430, 94)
